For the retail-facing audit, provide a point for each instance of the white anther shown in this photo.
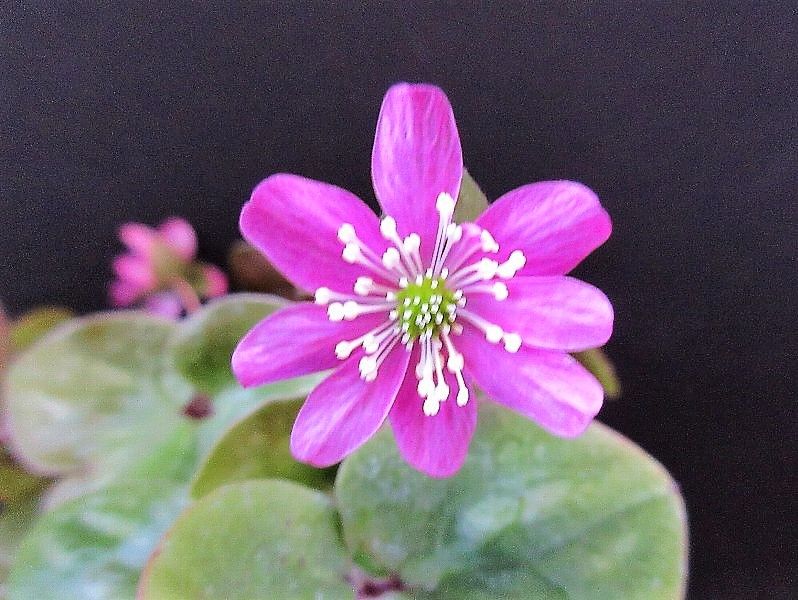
(431, 407)
(441, 391)
(512, 265)
(500, 291)
(425, 386)
(454, 232)
(462, 396)
(493, 333)
(488, 243)
(346, 233)
(445, 204)
(367, 366)
(412, 243)
(351, 309)
(322, 295)
(391, 258)
(363, 286)
(403, 282)
(486, 268)
(512, 342)
(445, 272)
(455, 362)
(344, 349)
(388, 227)
(351, 253)
(335, 311)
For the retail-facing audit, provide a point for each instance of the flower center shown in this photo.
(425, 306)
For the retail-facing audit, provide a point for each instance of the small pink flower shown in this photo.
(414, 310)
(160, 270)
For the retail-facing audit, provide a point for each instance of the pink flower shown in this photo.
(414, 310)
(160, 270)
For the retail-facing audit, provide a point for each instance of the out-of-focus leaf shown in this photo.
(251, 271)
(264, 539)
(529, 515)
(471, 202)
(95, 546)
(202, 347)
(257, 448)
(597, 362)
(94, 395)
(31, 326)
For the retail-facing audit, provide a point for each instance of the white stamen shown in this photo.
(346, 233)
(388, 227)
(493, 333)
(445, 204)
(500, 291)
(322, 295)
(343, 349)
(488, 243)
(391, 258)
(512, 265)
(335, 311)
(512, 342)
(364, 286)
(431, 407)
(351, 253)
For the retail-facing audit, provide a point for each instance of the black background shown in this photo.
(682, 116)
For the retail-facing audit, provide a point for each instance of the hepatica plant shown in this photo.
(137, 461)
(414, 309)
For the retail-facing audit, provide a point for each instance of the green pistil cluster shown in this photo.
(424, 308)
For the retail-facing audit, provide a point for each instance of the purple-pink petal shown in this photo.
(344, 410)
(136, 270)
(180, 237)
(416, 156)
(296, 340)
(549, 387)
(215, 283)
(294, 221)
(555, 312)
(140, 239)
(435, 445)
(165, 304)
(555, 223)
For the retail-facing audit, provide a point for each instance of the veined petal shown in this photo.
(344, 410)
(294, 341)
(416, 156)
(294, 221)
(180, 237)
(549, 387)
(435, 445)
(555, 223)
(557, 313)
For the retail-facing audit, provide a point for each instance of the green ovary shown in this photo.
(425, 308)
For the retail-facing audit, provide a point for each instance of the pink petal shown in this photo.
(136, 271)
(344, 411)
(215, 281)
(179, 235)
(555, 223)
(123, 293)
(294, 221)
(416, 156)
(551, 388)
(166, 304)
(295, 341)
(139, 238)
(557, 313)
(436, 445)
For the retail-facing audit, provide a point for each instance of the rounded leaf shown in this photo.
(258, 539)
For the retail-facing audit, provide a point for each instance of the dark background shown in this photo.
(682, 119)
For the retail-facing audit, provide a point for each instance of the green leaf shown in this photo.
(257, 447)
(202, 348)
(94, 396)
(471, 202)
(259, 539)
(593, 517)
(95, 546)
(34, 324)
(597, 362)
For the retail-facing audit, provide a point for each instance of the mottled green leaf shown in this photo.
(94, 395)
(597, 362)
(471, 202)
(32, 325)
(94, 547)
(256, 448)
(201, 350)
(264, 539)
(528, 515)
